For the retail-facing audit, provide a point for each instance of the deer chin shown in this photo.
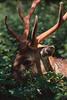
(22, 73)
(19, 74)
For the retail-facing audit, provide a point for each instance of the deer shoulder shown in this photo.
(59, 65)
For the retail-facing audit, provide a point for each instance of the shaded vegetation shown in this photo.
(51, 86)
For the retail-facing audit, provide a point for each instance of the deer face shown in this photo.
(31, 55)
(33, 59)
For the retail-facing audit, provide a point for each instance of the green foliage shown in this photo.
(49, 86)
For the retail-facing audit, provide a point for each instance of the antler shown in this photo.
(26, 19)
(11, 30)
(61, 19)
(34, 30)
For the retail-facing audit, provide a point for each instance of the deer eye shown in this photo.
(27, 63)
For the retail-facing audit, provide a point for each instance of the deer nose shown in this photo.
(47, 51)
(50, 50)
(52, 47)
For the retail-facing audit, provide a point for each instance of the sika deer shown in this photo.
(32, 55)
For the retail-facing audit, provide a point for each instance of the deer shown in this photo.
(32, 54)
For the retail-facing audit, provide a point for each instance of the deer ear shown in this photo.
(47, 51)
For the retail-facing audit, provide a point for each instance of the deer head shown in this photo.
(32, 55)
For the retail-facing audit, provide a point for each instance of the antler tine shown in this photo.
(60, 12)
(61, 19)
(26, 19)
(34, 30)
(20, 11)
(33, 6)
(11, 31)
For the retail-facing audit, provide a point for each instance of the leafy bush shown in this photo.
(49, 86)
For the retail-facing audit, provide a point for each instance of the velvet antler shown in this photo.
(26, 19)
(61, 19)
(11, 30)
(34, 31)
